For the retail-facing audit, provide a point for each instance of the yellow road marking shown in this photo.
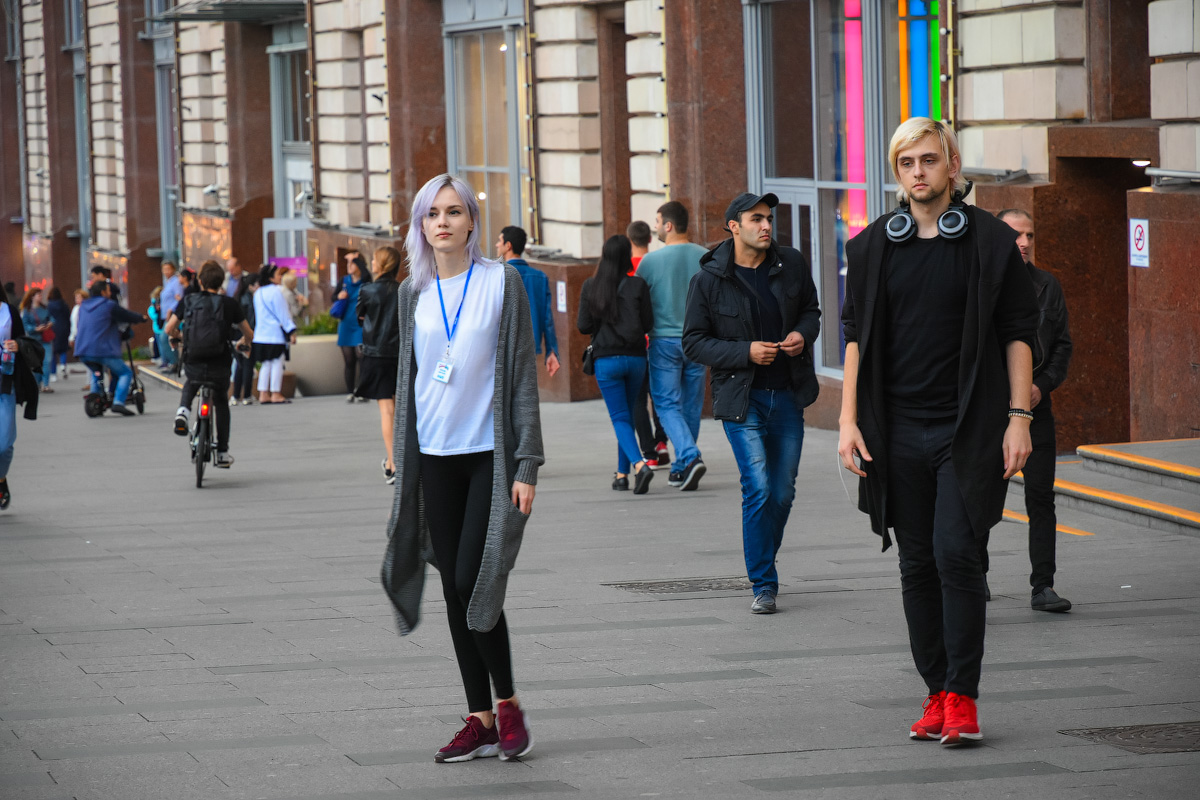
(1015, 517)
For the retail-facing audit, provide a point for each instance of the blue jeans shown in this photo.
(47, 363)
(8, 430)
(767, 448)
(677, 386)
(620, 378)
(120, 371)
(165, 351)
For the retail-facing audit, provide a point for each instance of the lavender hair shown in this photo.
(421, 265)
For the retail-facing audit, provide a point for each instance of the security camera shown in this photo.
(303, 196)
(212, 188)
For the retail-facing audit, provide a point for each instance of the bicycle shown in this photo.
(204, 433)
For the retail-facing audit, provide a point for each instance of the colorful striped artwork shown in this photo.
(920, 59)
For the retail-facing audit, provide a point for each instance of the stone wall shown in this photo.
(1022, 71)
(37, 138)
(1175, 81)
(108, 163)
(204, 137)
(645, 61)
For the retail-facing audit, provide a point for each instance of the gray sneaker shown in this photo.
(764, 603)
(1048, 600)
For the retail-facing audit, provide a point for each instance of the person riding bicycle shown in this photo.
(210, 321)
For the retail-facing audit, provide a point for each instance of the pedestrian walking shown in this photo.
(60, 315)
(233, 276)
(273, 331)
(349, 330)
(80, 296)
(676, 382)
(18, 386)
(35, 317)
(243, 363)
(651, 437)
(296, 302)
(377, 313)
(615, 310)
(510, 246)
(938, 320)
(98, 339)
(1051, 356)
(753, 318)
(468, 445)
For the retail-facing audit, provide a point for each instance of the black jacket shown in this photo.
(635, 319)
(1001, 308)
(22, 383)
(246, 300)
(718, 325)
(377, 311)
(1052, 347)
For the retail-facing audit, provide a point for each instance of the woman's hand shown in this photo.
(522, 496)
(342, 295)
(850, 443)
(10, 345)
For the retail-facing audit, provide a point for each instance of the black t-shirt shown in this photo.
(768, 326)
(231, 308)
(926, 303)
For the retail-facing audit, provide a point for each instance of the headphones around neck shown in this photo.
(952, 224)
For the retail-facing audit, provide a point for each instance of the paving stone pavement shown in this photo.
(232, 642)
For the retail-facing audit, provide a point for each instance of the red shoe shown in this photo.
(962, 723)
(930, 725)
(473, 741)
(515, 738)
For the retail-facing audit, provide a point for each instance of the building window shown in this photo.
(486, 142)
(827, 83)
(74, 12)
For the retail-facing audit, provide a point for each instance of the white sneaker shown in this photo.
(245, 401)
(224, 460)
(181, 421)
(349, 398)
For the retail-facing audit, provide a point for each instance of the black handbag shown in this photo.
(589, 361)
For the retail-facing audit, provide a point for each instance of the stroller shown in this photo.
(96, 403)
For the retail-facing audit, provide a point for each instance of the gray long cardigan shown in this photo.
(517, 457)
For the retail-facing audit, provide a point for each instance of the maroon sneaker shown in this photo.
(930, 725)
(473, 741)
(515, 738)
(962, 721)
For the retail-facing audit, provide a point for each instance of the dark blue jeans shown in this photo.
(620, 379)
(767, 448)
(941, 576)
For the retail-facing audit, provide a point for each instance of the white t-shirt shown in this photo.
(5, 323)
(457, 417)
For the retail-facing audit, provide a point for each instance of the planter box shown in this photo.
(317, 364)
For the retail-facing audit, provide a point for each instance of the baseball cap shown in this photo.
(746, 201)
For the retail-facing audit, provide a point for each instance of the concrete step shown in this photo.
(1161, 507)
(1173, 463)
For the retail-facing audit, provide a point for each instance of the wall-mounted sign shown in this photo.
(562, 297)
(1139, 243)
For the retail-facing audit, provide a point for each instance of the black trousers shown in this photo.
(1039, 500)
(243, 376)
(350, 357)
(940, 571)
(649, 435)
(458, 500)
(216, 376)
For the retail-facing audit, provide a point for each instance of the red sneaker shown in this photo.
(473, 741)
(515, 738)
(930, 725)
(962, 723)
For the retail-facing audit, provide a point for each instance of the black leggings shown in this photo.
(220, 398)
(350, 356)
(243, 377)
(458, 501)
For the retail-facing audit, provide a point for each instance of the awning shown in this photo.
(232, 11)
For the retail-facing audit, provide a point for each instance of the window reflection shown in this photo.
(841, 220)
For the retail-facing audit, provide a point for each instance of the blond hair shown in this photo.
(913, 130)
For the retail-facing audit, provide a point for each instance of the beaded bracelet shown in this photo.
(1020, 412)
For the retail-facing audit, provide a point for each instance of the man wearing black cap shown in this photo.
(752, 316)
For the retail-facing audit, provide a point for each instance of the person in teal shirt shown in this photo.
(676, 384)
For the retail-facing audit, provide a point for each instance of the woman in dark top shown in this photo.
(60, 313)
(377, 312)
(243, 367)
(614, 308)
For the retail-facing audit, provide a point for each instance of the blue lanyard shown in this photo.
(441, 300)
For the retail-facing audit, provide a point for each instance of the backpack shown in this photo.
(205, 332)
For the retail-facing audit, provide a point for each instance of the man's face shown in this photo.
(924, 173)
(660, 228)
(503, 248)
(1024, 229)
(754, 228)
(168, 271)
(233, 268)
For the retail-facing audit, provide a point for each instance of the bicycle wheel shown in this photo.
(202, 443)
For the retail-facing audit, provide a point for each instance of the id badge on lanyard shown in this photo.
(445, 366)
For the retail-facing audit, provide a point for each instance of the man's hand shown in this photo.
(1017, 446)
(793, 344)
(850, 441)
(522, 496)
(1035, 395)
(552, 364)
(763, 352)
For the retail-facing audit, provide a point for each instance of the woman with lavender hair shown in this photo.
(466, 447)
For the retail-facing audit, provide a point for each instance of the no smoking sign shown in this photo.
(1139, 243)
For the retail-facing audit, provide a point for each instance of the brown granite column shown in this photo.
(248, 121)
(11, 254)
(416, 100)
(140, 138)
(65, 257)
(1118, 60)
(706, 110)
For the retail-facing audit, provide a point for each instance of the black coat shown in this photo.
(377, 312)
(718, 326)
(22, 383)
(1053, 346)
(1001, 308)
(626, 335)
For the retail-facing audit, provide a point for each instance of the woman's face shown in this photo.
(278, 276)
(448, 223)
